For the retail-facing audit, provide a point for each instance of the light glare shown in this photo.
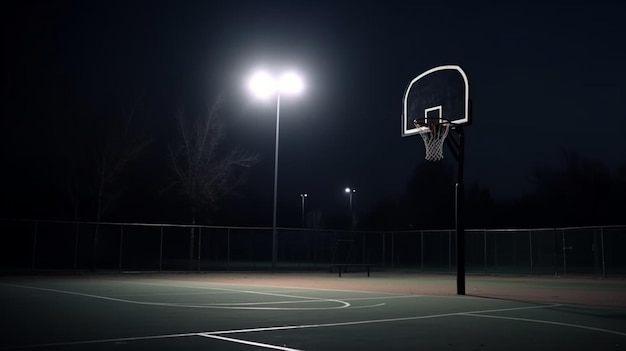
(262, 85)
(290, 83)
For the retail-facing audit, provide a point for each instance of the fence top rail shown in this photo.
(172, 225)
(512, 229)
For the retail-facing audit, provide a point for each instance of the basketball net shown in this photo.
(434, 134)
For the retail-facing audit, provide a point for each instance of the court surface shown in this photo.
(243, 312)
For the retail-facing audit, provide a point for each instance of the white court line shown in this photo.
(190, 293)
(342, 304)
(278, 328)
(270, 286)
(472, 314)
(267, 346)
(172, 294)
(374, 321)
(100, 341)
(234, 290)
(315, 301)
(275, 293)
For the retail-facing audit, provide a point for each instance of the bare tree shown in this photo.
(119, 148)
(205, 169)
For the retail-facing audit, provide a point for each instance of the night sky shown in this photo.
(545, 77)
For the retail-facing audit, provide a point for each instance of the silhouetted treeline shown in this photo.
(576, 192)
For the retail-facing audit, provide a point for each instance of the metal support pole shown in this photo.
(458, 150)
(460, 229)
(274, 234)
(460, 242)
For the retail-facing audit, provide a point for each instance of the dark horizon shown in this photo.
(545, 80)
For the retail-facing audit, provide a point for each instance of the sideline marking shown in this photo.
(208, 293)
(101, 341)
(343, 304)
(471, 314)
(322, 325)
(267, 346)
(276, 293)
(373, 321)
(261, 286)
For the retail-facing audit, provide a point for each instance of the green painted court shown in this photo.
(248, 311)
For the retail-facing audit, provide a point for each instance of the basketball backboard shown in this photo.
(437, 95)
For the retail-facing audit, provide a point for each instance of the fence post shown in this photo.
(192, 233)
(515, 249)
(199, 246)
(76, 247)
(161, 251)
(34, 258)
(121, 246)
(602, 252)
(228, 249)
(363, 247)
(564, 253)
(530, 245)
(449, 250)
(495, 250)
(383, 246)
(485, 250)
(422, 250)
(393, 256)
(556, 254)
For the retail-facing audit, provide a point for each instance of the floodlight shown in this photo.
(290, 83)
(262, 84)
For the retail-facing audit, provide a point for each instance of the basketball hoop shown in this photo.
(434, 135)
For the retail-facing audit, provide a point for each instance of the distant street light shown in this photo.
(263, 85)
(303, 196)
(350, 192)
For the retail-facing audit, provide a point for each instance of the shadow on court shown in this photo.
(295, 312)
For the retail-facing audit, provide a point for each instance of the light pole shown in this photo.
(263, 85)
(350, 192)
(303, 196)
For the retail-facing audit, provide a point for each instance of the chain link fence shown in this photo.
(36, 246)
